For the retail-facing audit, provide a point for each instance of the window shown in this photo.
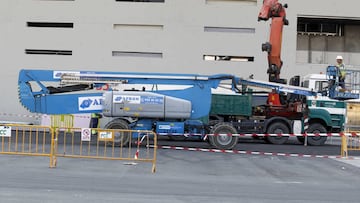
(137, 54)
(55, 0)
(151, 1)
(321, 85)
(229, 29)
(320, 39)
(320, 26)
(306, 83)
(250, 2)
(48, 52)
(228, 58)
(50, 24)
(141, 27)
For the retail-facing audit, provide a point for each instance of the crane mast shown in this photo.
(276, 11)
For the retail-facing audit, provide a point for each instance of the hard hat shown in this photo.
(339, 57)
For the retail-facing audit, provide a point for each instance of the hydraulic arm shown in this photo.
(276, 11)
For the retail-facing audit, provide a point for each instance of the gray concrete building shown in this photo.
(175, 36)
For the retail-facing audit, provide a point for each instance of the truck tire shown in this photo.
(301, 139)
(121, 138)
(277, 128)
(210, 126)
(223, 141)
(316, 140)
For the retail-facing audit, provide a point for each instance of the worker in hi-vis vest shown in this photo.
(342, 72)
(94, 122)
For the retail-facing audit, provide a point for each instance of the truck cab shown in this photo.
(316, 82)
(325, 114)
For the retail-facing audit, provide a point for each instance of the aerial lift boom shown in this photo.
(74, 90)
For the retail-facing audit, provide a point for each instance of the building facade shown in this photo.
(173, 36)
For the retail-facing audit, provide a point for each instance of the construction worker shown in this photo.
(94, 122)
(341, 70)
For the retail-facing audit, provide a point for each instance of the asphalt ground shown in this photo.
(186, 176)
(332, 146)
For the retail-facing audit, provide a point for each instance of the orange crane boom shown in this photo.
(276, 11)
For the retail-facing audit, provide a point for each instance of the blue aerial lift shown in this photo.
(190, 109)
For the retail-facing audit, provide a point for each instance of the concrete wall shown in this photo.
(174, 35)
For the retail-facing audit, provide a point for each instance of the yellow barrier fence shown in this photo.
(107, 144)
(350, 142)
(28, 140)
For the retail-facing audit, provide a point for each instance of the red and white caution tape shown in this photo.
(254, 152)
(136, 156)
(269, 134)
(288, 134)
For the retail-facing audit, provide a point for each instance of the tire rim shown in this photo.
(316, 138)
(278, 132)
(119, 137)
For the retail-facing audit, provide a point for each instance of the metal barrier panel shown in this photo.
(350, 142)
(107, 144)
(62, 121)
(28, 140)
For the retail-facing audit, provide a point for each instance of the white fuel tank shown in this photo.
(145, 105)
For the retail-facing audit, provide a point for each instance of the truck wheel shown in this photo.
(316, 140)
(121, 138)
(301, 139)
(277, 128)
(225, 141)
(210, 126)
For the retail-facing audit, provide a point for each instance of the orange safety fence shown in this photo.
(53, 142)
(350, 142)
(30, 140)
(108, 144)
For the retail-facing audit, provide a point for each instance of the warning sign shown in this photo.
(105, 136)
(5, 131)
(86, 134)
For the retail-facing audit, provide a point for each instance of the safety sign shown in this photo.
(86, 134)
(105, 136)
(5, 131)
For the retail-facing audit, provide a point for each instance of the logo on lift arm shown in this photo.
(131, 99)
(90, 103)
